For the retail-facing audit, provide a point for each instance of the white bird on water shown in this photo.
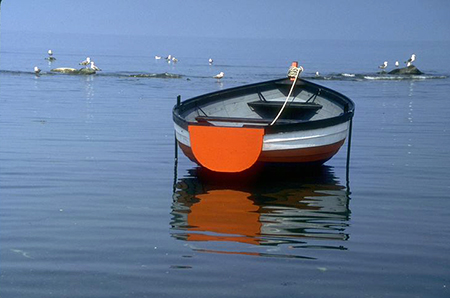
(50, 56)
(157, 57)
(210, 61)
(37, 70)
(384, 65)
(411, 60)
(86, 62)
(396, 64)
(219, 75)
(94, 67)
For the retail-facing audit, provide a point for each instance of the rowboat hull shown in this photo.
(226, 143)
(315, 146)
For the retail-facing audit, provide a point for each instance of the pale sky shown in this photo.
(320, 19)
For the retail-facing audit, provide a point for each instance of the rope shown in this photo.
(293, 72)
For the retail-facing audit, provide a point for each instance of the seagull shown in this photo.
(86, 62)
(93, 66)
(384, 65)
(396, 64)
(50, 56)
(317, 74)
(219, 75)
(210, 61)
(411, 60)
(175, 60)
(36, 70)
(157, 57)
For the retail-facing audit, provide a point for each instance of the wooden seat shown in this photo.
(255, 121)
(270, 105)
(268, 110)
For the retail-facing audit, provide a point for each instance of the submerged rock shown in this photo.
(86, 71)
(68, 70)
(64, 70)
(410, 70)
(165, 75)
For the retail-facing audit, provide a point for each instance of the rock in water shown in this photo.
(64, 70)
(410, 70)
(68, 70)
(86, 71)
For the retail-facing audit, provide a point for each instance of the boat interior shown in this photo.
(261, 105)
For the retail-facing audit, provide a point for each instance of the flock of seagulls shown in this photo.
(397, 64)
(171, 58)
(88, 63)
(91, 64)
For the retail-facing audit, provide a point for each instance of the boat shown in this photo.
(283, 121)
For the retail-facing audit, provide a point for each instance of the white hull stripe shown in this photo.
(182, 136)
(306, 139)
(289, 140)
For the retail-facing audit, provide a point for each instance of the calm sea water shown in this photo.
(92, 203)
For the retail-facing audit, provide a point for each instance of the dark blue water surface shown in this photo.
(92, 203)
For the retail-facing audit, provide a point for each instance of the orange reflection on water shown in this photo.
(226, 212)
(292, 209)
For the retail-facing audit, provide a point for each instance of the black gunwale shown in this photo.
(347, 103)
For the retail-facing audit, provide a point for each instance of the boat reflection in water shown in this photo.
(276, 210)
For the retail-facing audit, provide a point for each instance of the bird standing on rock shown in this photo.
(410, 60)
(94, 67)
(384, 65)
(86, 62)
